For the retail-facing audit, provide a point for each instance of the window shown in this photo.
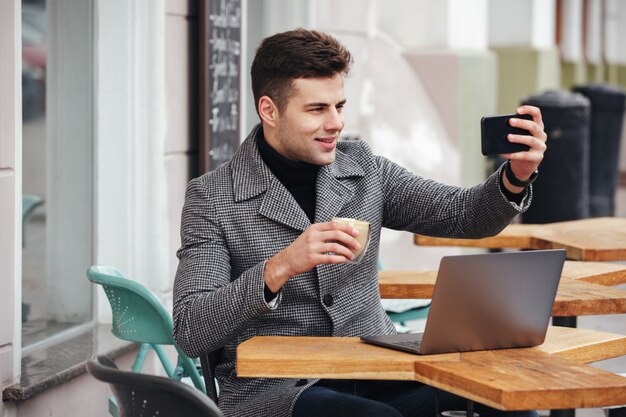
(57, 169)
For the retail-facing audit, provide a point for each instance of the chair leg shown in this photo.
(207, 362)
(563, 413)
(141, 357)
(191, 371)
(171, 372)
(113, 408)
(179, 371)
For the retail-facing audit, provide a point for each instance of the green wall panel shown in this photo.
(523, 71)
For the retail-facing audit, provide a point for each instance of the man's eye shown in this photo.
(317, 109)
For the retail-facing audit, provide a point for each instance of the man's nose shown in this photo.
(334, 121)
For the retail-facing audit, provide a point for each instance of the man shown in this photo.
(260, 255)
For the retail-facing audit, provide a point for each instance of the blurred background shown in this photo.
(116, 119)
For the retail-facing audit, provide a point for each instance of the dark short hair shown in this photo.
(298, 53)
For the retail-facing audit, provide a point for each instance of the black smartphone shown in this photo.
(494, 131)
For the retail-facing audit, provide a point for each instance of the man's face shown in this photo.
(309, 126)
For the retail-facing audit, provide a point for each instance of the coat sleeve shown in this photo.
(423, 206)
(209, 308)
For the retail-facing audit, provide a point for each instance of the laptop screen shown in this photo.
(491, 301)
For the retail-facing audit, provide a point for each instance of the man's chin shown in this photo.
(326, 160)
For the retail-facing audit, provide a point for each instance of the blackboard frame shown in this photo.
(206, 141)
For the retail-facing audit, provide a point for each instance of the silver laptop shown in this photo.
(487, 301)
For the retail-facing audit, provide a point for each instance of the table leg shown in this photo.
(569, 321)
(470, 408)
(615, 412)
(563, 413)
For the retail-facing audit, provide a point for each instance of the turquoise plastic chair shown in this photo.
(405, 316)
(29, 203)
(139, 316)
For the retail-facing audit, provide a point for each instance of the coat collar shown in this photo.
(251, 177)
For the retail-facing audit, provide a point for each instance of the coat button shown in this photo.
(328, 300)
(301, 382)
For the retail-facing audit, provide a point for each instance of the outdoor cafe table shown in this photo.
(596, 239)
(552, 376)
(577, 295)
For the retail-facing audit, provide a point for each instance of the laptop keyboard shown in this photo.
(410, 344)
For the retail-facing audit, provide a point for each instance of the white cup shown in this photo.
(363, 237)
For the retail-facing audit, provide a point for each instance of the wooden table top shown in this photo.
(551, 376)
(596, 239)
(576, 296)
(603, 273)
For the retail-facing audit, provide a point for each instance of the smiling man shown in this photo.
(308, 128)
(261, 256)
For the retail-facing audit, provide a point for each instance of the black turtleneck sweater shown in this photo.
(298, 177)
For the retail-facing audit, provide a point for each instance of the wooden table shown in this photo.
(551, 376)
(577, 294)
(603, 273)
(597, 239)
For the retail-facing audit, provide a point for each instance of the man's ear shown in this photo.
(268, 111)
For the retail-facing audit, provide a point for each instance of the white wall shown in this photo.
(181, 112)
(615, 32)
(595, 24)
(522, 23)
(454, 24)
(132, 224)
(572, 31)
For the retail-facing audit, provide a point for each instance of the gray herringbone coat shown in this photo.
(239, 215)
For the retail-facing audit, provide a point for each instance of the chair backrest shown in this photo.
(149, 395)
(138, 314)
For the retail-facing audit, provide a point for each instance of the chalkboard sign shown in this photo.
(220, 71)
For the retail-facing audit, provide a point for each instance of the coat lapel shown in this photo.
(251, 177)
(332, 189)
(279, 205)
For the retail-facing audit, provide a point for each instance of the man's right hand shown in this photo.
(320, 243)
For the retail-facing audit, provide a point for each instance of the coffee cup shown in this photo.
(363, 237)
